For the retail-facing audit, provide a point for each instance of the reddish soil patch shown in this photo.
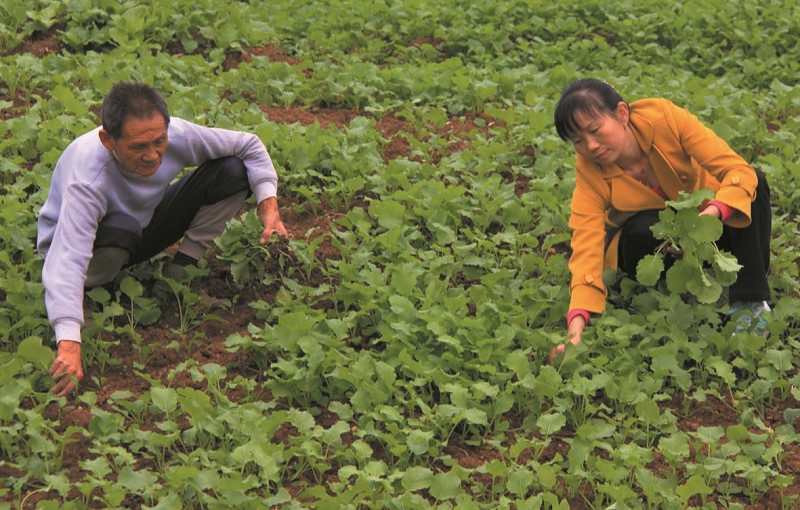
(394, 130)
(397, 132)
(274, 53)
(42, 47)
(339, 117)
(459, 130)
(41, 44)
(234, 59)
(18, 103)
(433, 41)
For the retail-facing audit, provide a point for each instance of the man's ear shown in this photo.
(106, 140)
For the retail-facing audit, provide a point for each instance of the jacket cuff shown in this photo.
(725, 210)
(587, 297)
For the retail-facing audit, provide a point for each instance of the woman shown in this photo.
(630, 160)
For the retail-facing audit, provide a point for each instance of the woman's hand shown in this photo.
(711, 210)
(574, 330)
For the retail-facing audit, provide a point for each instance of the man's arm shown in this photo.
(197, 144)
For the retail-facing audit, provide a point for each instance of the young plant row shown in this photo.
(410, 369)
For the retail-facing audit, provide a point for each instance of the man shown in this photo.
(112, 204)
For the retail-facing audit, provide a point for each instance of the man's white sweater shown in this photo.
(88, 183)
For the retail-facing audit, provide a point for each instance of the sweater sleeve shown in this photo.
(64, 270)
(199, 144)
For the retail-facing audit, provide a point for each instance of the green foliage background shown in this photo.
(433, 327)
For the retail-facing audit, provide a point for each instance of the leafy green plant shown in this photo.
(140, 311)
(251, 262)
(702, 269)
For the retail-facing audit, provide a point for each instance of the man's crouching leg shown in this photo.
(118, 236)
(105, 265)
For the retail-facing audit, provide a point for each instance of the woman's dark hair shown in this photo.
(130, 100)
(588, 96)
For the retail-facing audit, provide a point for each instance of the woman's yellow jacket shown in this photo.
(685, 156)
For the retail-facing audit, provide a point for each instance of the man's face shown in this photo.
(140, 148)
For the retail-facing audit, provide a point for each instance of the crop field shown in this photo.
(392, 352)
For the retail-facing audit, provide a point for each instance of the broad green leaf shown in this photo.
(649, 269)
(417, 478)
(68, 100)
(136, 481)
(131, 288)
(724, 370)
(486, 389)
(680, 274)
(445, 486)
(519, 362)
(475, 416)
(648, 411)
(171, 500)
(551, 423)
(595, 429)
(418, 441)
(496, 468)
(710, 435)
(674, 446)
(388, 213)
(691, 200)
(726, 262)
(693, 486)
(546, 475)
(182, 473)
(664, 228)
(165, 399)
(737, 433)
(195, 403)
(782, 360)
(791, 415)
(548, 382)
(60, 483)
(705, 289)
(519, 482)
(32, 350)
(98, 467)
(706, 229)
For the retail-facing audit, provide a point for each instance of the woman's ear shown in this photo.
(623, 112)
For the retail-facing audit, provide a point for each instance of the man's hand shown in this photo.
(66, 369)
(574, 330)
(271, 219)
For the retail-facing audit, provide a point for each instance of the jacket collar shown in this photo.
(644, 131)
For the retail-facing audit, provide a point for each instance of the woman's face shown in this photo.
(601, 137)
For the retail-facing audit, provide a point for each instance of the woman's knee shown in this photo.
(637, 240)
